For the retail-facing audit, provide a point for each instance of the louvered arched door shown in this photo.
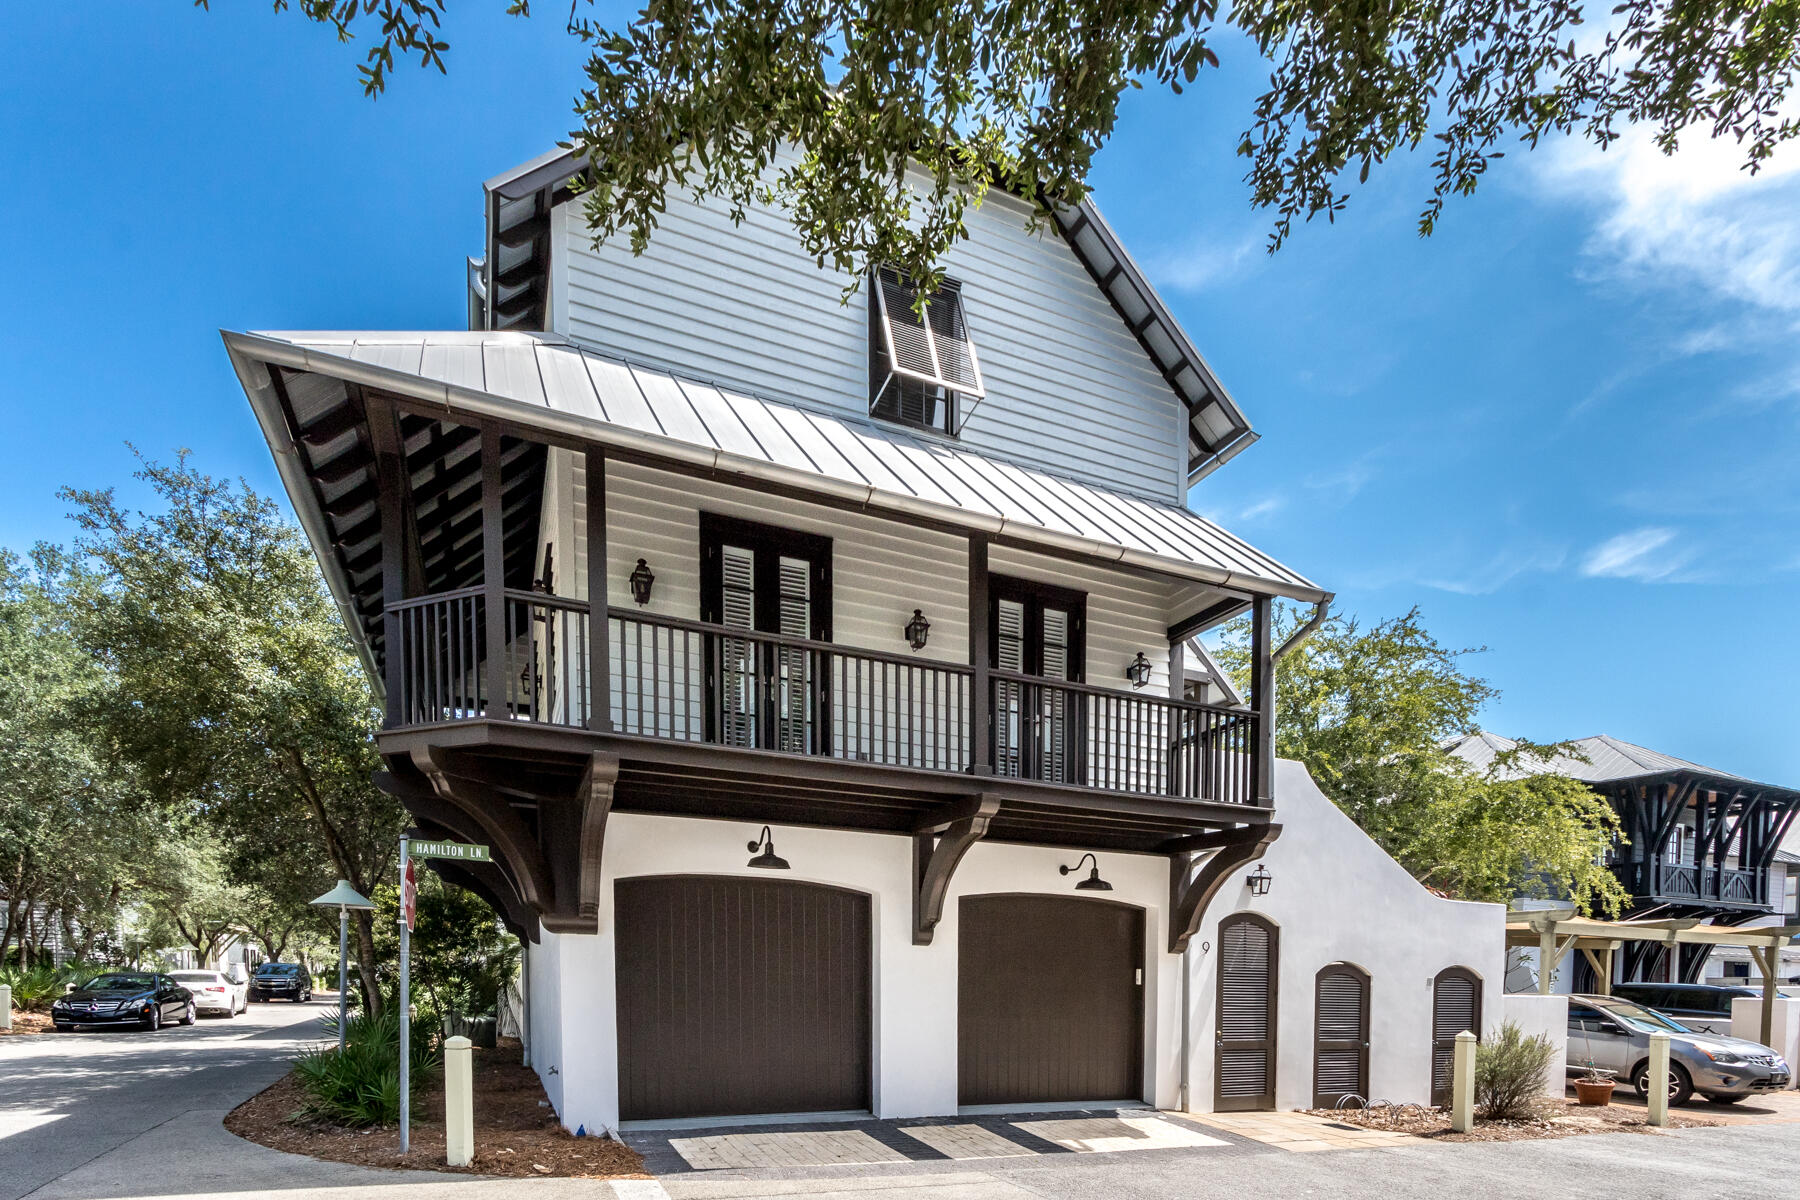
(1244, 1073)
(1455, 1006)
(1340, 1034)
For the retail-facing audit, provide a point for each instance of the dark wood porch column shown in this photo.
(493, 571)
(981, 702)
(400, 570)
(1177, 691)
(1262, 698)
(599, 628)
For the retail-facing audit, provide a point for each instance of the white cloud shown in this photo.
(1694, 219)
(1500, 570)
(1206, 262)
(1647, 554)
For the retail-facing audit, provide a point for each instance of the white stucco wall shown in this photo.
(1746, 1022)
(1546, 1017)
(915, 987)
(1337, 897)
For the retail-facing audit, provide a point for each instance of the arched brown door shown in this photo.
(1244, 1071)
(1455, 1006)
(1340, 1034)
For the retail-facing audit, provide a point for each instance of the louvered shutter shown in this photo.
(795, 598)
(1009, 641)
(930, 360)
(1053, 733)
(1341, 1035)
(738, 685)
(1245, 1073)
(1455, 1007)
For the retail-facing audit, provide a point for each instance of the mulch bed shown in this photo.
(516, 1131)
(1552, 1119)
(28, 1022)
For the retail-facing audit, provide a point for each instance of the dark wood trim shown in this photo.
(1213, 614)
(1190, 892)
(1035, 597)
(935, 859)
(1321, 1099)
(493, 570)
(390, 478)
(1262, 698)
(503, 827)
(1270, 1043)
(981, 724)
(596, 795)
(427, 806)
(769, 542)
(600, 632)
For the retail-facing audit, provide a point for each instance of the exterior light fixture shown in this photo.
(763, 848)
(641, 579)
(1139, 670)
(1259, 880)
(917, 630)
(1093, 883)
(344, 898)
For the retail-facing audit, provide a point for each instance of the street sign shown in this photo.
(466, 851)
(409, 896)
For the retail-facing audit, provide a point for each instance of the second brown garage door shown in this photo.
(741, 996)
(1050, 1000)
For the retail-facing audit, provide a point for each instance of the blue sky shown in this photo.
(1566, 426)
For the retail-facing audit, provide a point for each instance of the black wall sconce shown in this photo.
(641, 579)
(1139, 670)
(917, 630)
(1093, 883)
(1259, 880)
(767, 859)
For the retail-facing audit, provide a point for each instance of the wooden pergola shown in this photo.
(1556, 931)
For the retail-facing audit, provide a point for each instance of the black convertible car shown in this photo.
(125, 998)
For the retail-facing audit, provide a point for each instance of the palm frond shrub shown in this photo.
(360, 1085)
(33, 988)
(1509, 1073)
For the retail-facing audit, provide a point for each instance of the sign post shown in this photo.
(408, 898)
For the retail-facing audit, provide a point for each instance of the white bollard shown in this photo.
(1658, 1081)
(5, 1006)
(1462, 1084)
(459, 1102)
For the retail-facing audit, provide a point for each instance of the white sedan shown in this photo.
(214, 992)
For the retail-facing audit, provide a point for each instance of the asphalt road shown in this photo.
(67, 1099)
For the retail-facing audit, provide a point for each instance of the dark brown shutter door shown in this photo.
(1455, 1006)
(1341, 1035)
(741, 996)
(1245, 1073)
(1050, 1000)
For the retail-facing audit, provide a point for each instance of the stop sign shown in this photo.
(409, 895)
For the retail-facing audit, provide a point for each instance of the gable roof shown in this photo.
(549, 383)
(1609, 759)
(509, 289)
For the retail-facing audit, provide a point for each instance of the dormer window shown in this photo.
(922, 371)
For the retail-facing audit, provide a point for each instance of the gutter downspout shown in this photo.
(1321, 610)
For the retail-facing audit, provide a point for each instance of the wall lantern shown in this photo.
(1259, 880)
(917, 630)
(641, 579)
(1093, 883)
(767, 859)
(1139, 670)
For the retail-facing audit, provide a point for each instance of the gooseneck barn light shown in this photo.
(763, 848)
(1093, 883)
(641, 579)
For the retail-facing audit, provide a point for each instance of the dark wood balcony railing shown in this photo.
(692, 681)
(1665, 881)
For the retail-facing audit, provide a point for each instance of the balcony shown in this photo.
(1664, 882)
(692, 684)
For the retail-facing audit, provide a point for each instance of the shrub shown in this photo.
(360, 1086)
(33, 988)
(1509, 1073)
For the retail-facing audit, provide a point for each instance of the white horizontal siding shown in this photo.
(1069, 388)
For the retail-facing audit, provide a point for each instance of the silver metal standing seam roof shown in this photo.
(546, 381)
(1609, 758)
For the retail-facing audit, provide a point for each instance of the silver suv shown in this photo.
(1614, 1035)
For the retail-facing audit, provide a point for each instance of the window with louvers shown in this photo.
(923, 369)
(1245, 1072)
(1341, 1035)
(1455, 1007)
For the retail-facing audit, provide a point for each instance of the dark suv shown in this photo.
(281, 981)
(1702, 1007)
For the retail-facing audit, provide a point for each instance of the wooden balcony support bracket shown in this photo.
(498, 886)
(505, 831)
(597, 784)
(1190, 891)
(940, 839)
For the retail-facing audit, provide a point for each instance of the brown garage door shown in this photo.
(741, 996)
(1050, 1000)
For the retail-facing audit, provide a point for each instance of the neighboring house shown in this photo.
(1698, 843)
(822, 680)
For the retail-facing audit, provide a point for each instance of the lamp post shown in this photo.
(343, 897)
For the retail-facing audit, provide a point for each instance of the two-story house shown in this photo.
(1696, 843)
(818, 671)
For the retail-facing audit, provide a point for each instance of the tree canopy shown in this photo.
(1369, 710)
(908, 110)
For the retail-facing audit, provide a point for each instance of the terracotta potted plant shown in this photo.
(1594, 1089)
